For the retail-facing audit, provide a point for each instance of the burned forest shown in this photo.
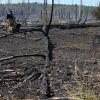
(49, 51)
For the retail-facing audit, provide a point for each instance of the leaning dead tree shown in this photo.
(48, 50)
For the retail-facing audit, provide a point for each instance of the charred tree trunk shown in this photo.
(48, 50)
(41, 15)
(69, 15)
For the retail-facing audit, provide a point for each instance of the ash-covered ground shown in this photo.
(76, 58)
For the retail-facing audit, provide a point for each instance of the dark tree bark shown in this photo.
(45, 84)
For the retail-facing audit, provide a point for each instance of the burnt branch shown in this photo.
(21, 56)
(32, 76)
(6, 71)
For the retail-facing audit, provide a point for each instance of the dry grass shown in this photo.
(85, 89)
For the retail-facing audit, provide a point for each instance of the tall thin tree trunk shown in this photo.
(28, 9)
(59, 10)
(76, 11)
(45, 7)
(45, 11)
(41, 15)
(80, 10)
(69, 15)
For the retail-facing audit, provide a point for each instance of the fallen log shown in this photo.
(74, 25)
(66, 26)
(21, 31)
(30, 30)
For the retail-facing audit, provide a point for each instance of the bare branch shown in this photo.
(62, 98)
(6, 71)
(21, 56)
(32, 76)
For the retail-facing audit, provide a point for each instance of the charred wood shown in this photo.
(21, 56)
(45, 81)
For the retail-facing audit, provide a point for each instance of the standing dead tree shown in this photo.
(59, 9)
(76, 11)
(45, 7)
(29, 10)
(80, 11)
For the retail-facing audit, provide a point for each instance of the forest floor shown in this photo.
(74, 70)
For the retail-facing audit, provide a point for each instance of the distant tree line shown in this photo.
(35, 9)
(96, 12)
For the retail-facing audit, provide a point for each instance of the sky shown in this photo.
(85, 2)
